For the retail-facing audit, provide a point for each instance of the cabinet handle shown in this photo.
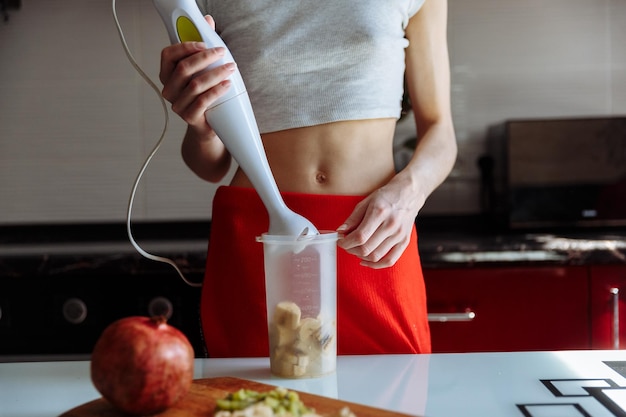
(615, 296)
(443, 317)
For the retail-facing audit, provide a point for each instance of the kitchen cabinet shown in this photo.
(508, 308)
(608, 306)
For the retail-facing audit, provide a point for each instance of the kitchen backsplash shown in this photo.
(77, 121)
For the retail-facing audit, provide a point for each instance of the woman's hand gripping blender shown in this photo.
(215, 90)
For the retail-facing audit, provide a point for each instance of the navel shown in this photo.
(321, 177)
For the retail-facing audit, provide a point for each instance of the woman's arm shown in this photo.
(428, 80)
(205, 154)
(378, 231)
(191, 90)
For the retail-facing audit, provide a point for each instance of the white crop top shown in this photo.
(311, 62)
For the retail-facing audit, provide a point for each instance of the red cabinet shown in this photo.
(508, 309)
(608, 306)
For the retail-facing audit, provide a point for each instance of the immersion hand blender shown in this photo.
(232, 118)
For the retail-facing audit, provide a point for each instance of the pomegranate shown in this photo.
(142, 365)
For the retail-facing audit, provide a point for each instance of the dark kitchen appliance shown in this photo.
(557, 173)
(61, 285)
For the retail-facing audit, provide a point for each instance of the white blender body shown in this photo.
(232, 118)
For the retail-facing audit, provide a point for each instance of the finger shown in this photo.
(201, 93)
(377, 250)
(210, 21)
(376, 247)
(388, 260)
(188, 80)
(369, 225)
(194, 111)
(373, 245)
(172, 54)
(354, 219)
(187, 68)
(387, 236)
(357, 228)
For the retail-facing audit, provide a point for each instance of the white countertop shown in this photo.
(575, 383)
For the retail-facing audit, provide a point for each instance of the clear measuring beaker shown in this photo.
(301, 294)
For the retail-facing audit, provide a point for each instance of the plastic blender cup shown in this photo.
(301, 295)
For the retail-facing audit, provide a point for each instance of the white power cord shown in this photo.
(148, 159)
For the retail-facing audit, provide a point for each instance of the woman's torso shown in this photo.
(351, 158)
(336, 69)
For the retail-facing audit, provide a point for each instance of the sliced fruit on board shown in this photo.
(202, 397)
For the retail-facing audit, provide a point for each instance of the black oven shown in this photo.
(61, 285)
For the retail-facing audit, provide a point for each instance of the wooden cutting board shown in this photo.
(202, 397)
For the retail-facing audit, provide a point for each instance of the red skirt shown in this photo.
(378, 310)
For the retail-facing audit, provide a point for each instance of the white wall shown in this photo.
(77, 121)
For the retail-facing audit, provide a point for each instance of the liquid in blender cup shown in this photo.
(301, 294)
